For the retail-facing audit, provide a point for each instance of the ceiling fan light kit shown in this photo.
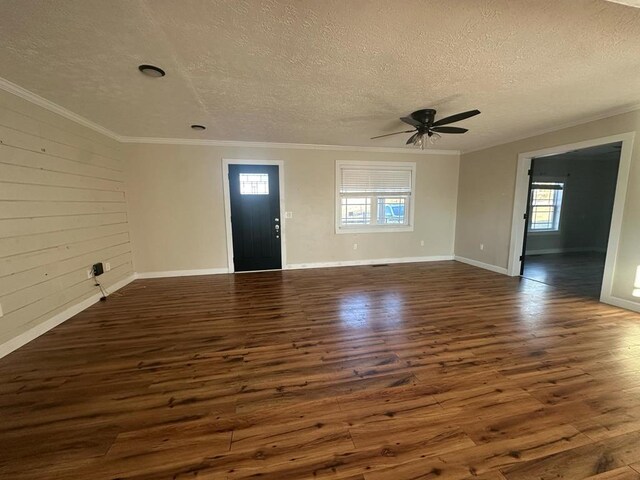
(425, 125)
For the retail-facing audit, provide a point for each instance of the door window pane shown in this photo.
(254, 184)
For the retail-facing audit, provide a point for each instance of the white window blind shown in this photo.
(548, 185)
(361, 180)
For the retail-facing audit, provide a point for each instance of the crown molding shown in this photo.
(294, 146)
(607, 114)
(628, 3)
(31, 97)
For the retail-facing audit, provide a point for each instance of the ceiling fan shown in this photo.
(425, 125)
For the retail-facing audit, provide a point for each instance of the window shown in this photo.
(374, 196)
(254, 184)
(546, 204)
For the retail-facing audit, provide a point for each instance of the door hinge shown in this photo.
(529, 172)
(521, 257)
(525, 216)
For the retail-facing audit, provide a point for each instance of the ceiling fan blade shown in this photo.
(411, 121)
(389, 134)
(413, 138)
(449, 129)
(456, 118)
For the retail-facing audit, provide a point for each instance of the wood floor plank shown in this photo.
(622, 473)
(410, 371)
(483, 459)
(582, 462)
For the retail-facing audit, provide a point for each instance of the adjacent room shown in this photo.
(571, 199)
(302, 239)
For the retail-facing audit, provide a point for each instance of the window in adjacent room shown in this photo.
(546, 206)
(374, 196)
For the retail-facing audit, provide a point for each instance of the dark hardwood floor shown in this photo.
(579, 273)
(412, 371)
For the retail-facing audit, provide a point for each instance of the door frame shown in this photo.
(520, 203)
(527, 216)
(227, 205)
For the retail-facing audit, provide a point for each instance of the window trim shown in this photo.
(549, 231)
(386, 228)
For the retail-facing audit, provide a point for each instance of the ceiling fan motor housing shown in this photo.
(426, 115)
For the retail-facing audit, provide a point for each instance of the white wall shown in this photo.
(62, 208)
(175, 197)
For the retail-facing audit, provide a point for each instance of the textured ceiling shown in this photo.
(325, 71)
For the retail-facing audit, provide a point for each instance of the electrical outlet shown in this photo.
(107, 267)
(98, 269)
(482, 246)
(288, 214)
(422, 243)
(355, 246)
(90, 273)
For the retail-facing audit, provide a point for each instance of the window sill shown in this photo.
(374, 229)
(543, 232)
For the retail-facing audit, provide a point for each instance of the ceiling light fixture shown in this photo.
(431, 138)
(424, 123)
(151, 71)
(198, 127)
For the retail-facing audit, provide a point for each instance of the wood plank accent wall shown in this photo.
(62, 208)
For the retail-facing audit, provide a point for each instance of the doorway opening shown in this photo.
(253, 204)
(521, 204)
(569, 210)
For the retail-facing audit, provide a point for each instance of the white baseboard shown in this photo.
(476, 263)
(621, 302)
(375, 261)
(182, 273)
(296, 266)
(547, 251)
(16, 342)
